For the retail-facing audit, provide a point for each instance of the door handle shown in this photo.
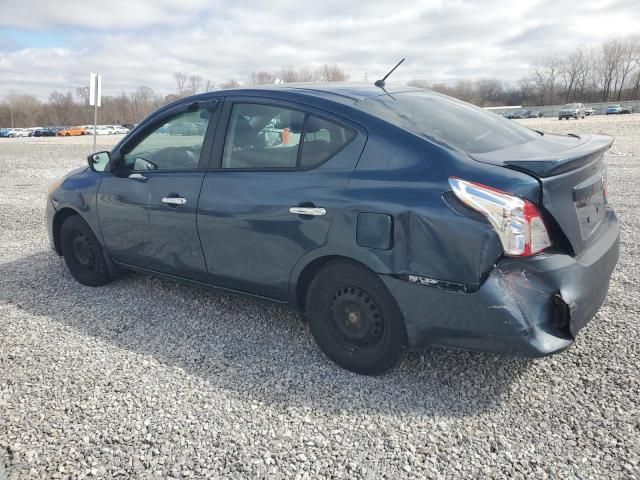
(313, 211)
(174, 200)
(138, 176)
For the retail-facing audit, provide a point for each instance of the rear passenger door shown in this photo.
(278, 173)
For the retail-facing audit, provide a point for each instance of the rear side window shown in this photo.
(268, 136)
(262, 136)
(453, 122)
(322, 139)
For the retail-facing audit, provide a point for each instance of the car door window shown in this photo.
(322, 140)
(173, 145)
(262, 136)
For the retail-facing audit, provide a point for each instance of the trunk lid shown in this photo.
(572, 175)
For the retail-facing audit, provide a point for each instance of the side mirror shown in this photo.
(98, 162)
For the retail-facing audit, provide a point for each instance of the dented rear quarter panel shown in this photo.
(406, 177)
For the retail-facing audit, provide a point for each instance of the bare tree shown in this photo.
(607, 67)
(307, 75)
(489, 91)
(209, 86)
(571, 70)
(61, 105)
(141, 102)
(288, 74)
(194, 83)
(331, 73)
(628, 58)
(262, 78)
(231, 83)
(181, 80)
(83, 94)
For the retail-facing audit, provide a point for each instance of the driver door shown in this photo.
(147, 210)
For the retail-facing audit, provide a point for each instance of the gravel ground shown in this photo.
(146, 378)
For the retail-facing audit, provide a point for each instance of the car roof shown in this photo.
(345, 92)
(351, 90)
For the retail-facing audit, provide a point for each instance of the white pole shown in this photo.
(95, 125)
(95, 92)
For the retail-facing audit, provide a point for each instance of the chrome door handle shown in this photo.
(314, 211)
(174, 200)
(138, 176)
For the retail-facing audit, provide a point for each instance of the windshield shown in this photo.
(453, 122)
(572, 105)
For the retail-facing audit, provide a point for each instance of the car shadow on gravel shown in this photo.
(254, 350)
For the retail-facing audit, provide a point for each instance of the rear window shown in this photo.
(445, 119)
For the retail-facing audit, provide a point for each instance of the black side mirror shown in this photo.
(98, 162)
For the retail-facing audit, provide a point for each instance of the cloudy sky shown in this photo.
(47, 45)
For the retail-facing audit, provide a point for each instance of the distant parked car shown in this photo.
(31, 132)
(508, 115)
(100, 130)
(119, 130)
(531, 114)
(589, 111)
(515, 115)
(4, 132)
(626, 110)
(129, 126)
(45, 132)
(572, 110)
(72, 132)
(18, 132)
(614, 109)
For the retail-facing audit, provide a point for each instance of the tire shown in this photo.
(82, 253)
(355, 320)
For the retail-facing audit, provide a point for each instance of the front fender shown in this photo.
(78, 192)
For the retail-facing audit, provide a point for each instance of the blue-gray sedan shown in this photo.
(391, 218)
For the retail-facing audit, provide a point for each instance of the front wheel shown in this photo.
(82, 253)
(355, 320)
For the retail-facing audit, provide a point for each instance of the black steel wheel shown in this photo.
(82, 253)
(354, 319)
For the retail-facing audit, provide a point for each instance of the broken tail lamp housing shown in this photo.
(517, 221)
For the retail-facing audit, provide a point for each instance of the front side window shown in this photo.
(174, 145)
(262, 136)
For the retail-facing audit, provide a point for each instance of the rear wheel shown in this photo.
(82, 253)
(355, 320)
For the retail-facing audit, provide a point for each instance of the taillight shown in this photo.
(517, 221)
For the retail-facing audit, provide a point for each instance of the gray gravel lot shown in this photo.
(145, 378)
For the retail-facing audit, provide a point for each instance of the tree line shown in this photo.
(72, 107)
(604, 73)
(609, 72)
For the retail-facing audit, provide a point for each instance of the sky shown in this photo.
(54, 45)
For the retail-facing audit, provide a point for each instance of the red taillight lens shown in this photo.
(517, 222)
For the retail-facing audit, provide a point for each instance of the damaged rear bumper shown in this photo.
(532, 307)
